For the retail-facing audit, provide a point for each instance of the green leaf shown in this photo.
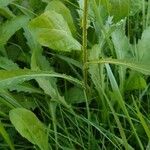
(51, 30)
(95, 69)
(129, 63)
(25, 87)
(119, 9)
(30, 127)
(59, 7)
(144, 46)
(8, 28)
(121, 44)
(11, 78)
(123, 50)
(39, 62)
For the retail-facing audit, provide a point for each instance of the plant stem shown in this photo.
(85, 59)
(84, 42)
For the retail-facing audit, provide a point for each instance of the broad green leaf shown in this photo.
(144, 46)
(14, 77)
(30, 127)
(60, 8)
(51, 30)
(4, 3)
(6, 136)
(8, 28)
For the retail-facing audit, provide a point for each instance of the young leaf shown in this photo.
(51, 30)
(60, 8)
(30, 127)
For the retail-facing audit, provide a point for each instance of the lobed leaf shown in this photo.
(8, 28)
(11, 78)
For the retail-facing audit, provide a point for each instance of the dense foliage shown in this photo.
(74, 74)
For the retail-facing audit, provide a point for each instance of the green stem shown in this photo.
(84, 41)
(85, 59)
